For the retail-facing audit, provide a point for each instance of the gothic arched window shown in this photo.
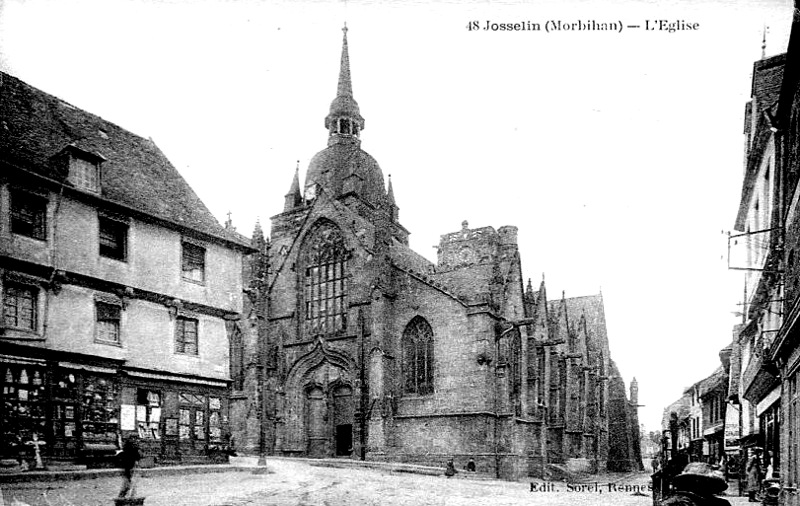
(418, 357)
(324, 272)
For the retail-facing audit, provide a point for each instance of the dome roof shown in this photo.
(344, 167)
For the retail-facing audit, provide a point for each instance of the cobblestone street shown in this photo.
(299, 483)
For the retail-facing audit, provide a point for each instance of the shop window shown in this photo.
(64, 407)
(186, 335)
(192, 417)
(107, 327)
(23, 410)
(193, 263)
(148, 413)
(20, 305)
(214, 419)
(99, 421)
(28, 215)
(113, 238)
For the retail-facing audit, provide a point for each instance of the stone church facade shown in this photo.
(353, 345)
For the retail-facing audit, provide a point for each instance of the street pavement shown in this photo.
(293, 482)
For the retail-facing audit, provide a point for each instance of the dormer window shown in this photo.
(84, 174)
(83, 168)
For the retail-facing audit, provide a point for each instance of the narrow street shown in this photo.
(299, 483)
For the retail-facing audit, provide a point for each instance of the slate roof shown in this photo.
(767, 79)
(592, 307)
(35, 127)
(406, 257)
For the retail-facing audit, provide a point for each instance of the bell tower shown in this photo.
(344, 121)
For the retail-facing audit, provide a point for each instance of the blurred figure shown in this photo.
(755, 474)
(128, 458)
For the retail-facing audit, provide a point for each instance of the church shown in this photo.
(353, 345)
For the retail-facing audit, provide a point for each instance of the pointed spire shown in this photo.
(764, 43)
(258, 235)
(344, 121)
(390, 191)
(294, 198)
(345, 88)
(395, 211)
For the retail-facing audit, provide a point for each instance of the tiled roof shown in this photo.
(680, 407)
(717, 379)
(35, 127)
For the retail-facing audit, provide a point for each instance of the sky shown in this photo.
(619, 155)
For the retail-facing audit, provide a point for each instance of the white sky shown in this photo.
(618, 155)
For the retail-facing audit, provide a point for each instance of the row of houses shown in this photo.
(757, 378)
(129, 310)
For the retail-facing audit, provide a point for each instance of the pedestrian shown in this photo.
(754, 473)
(128, 458)
(654, 464)
(451, 469)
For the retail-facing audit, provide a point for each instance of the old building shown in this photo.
(759, 222)
(784, 352)
(353, 345)
(116, 286)
(696, 421)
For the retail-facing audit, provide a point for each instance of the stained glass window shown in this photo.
(418, 357)
(325, 281)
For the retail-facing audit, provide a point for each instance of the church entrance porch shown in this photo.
(329, 421)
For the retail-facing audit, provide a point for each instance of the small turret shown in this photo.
(294, 198)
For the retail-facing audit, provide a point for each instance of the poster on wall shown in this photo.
(127, 416)
(141, 413)
(171, 428)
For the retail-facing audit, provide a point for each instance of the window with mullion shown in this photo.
(194, 263)
(19, 306)
(28, 215)
(108, 322)
(186, 335)
(418, 360)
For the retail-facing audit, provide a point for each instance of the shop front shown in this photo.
(72, 410)
(176, 420)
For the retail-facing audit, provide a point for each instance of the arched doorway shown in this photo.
(343, 420)
(329, 420)
(316, 422)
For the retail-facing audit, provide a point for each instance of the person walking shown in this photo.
(754, 474)
(128, 458)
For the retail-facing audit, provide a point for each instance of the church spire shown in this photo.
(293, 198)
(344, 121)
(392, 204)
